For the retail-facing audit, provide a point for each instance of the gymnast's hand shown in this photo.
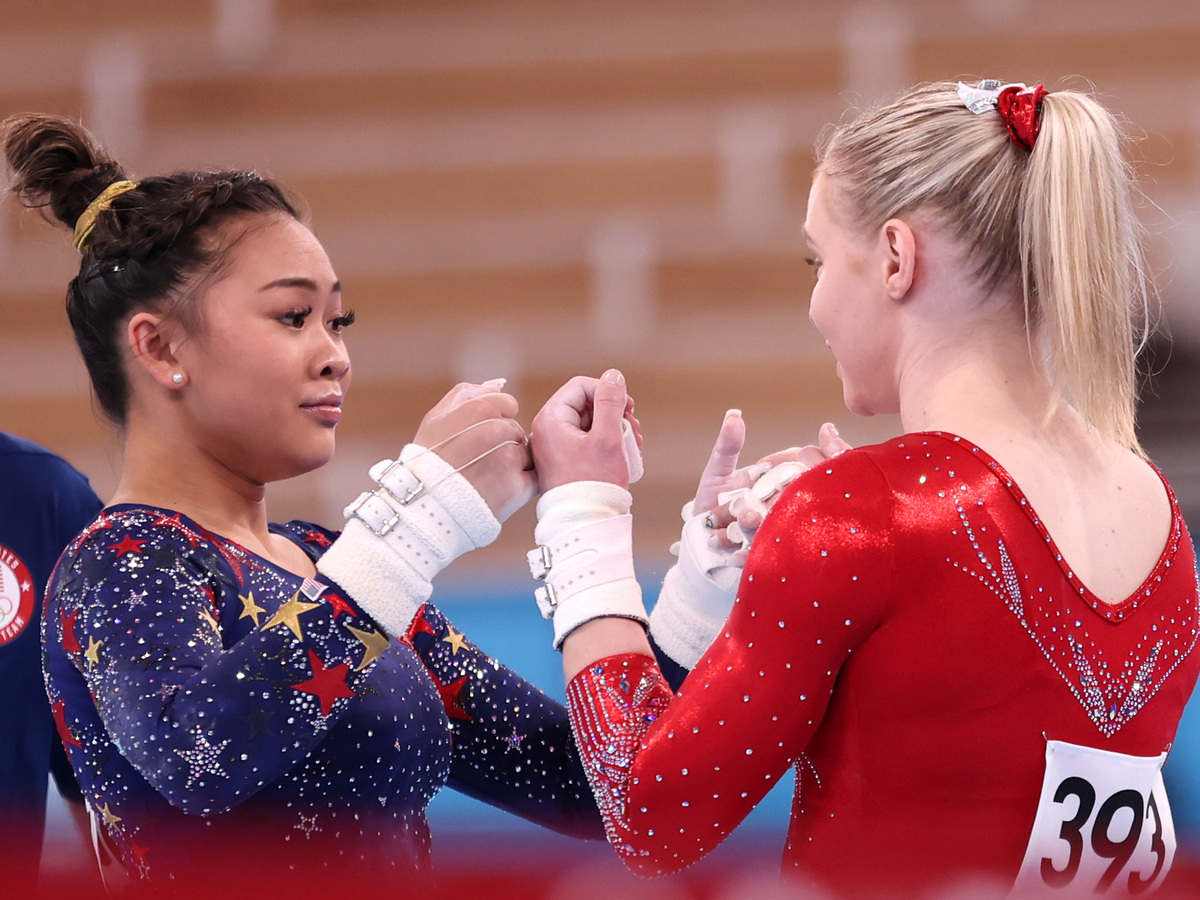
(579, 436)
(474, 429)
(722, 476)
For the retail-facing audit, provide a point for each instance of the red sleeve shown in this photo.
(674, 776)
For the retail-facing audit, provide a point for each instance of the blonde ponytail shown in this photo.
(1085, 283)
(1056, 224)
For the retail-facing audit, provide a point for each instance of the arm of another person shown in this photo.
(513, 746)
(674, 775)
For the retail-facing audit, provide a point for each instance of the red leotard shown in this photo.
(907, 634)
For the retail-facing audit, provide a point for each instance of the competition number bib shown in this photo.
(1102, 822)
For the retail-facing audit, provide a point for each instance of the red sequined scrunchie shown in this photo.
(1021, 110)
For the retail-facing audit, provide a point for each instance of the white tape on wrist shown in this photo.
(586, 557)
(397, 538)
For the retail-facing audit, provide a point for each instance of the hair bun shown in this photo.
(56, 163)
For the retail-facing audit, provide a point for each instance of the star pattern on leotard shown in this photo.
(204, 759)
(250, 609)
(514, 740)
(451, 694)
(307, 824)
(101, 523)
(289, 615)
(140, 857)
(315, 537)
(419, 625)
(109, 817)
(59, 708)
(340, 605)
(234, 556)
(211, 621)
(319, 710)
(127, 545)
(455, 639)
(258, 720)
(92, 653)
(375, 644)
(69, 640)
(175, 522)
(326, 684)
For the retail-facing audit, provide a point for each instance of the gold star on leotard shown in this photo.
(455, 639)
(250, 609)
(289, 615)
(110, 818)
(211, 620)
(374, 642)
(93, 651)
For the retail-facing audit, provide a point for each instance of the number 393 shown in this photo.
(1102, 820)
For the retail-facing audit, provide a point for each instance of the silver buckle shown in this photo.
(547, 600)
(380, 527)
(409, 495)
(539, 562)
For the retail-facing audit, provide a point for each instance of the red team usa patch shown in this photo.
(16, 595)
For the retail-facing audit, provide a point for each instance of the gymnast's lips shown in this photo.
(327, 408)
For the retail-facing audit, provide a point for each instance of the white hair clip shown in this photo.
(983, 96)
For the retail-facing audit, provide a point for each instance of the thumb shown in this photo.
(831, 442)
(609, 402)
(722, 462)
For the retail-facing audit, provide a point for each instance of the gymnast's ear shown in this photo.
(152, 342)
(899, 245)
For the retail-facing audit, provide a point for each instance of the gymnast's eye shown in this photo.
(294, 318)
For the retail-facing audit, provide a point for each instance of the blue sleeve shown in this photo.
(134, 613)
(44, 503)
(512, 745)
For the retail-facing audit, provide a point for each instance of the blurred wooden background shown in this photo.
(494, 180)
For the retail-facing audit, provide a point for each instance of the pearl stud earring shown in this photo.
(177, 378)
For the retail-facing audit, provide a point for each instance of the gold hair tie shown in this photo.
(87, 221)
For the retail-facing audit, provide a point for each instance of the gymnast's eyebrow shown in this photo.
(300, 282)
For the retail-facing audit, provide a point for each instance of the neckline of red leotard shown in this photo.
(1114, 612)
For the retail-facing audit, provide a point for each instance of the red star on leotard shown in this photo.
(60, 722)
(419, 626)
(127, 545)
(211, 593)
(339, 605)
(326, 684)
(176, 523)
(101, 524)
(70, 642)
(315, 537)
(451, 695)
(139, 853)
(233, 554)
